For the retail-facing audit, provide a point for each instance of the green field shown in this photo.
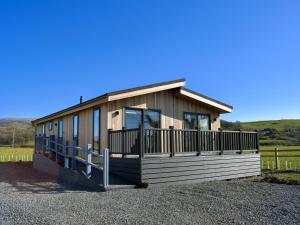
(8, 154)
(285, 163)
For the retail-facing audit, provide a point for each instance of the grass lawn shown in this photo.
(290, 163)
(8, 154)
(281, 177)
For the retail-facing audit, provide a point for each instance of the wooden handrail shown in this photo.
(173, 141)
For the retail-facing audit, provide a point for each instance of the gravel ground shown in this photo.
(27, 197)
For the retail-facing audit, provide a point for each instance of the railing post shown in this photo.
(257, 142)
(123, 141)
(108, 138)
(73, 162)
(172, 150)
(198, 142)
(241, 141)
(51, 153)
(106, 168)
(142, 151)
(35, 146)
(67, 155)
(44, 143)
(89, 161)
(221, 146)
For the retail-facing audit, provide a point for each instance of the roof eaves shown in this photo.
(204, 96)
(70, 108)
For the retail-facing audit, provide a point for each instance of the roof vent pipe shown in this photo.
(80, 99)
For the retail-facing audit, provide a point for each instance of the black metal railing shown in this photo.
(172, 141)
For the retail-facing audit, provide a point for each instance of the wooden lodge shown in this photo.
(159, 133)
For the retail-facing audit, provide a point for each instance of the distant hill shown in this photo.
(20, 128)
(272, 132)
(15, 121)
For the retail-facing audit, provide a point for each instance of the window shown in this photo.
(75, 129)
(50, 125)
(60, 134)
(96, 130)
(196, 121)
(135, 117)
(151, 119)
(60, 129)
(43, 129)
(204, 122)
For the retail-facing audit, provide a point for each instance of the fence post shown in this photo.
(198, 141)
(89, 161)
(106, 168)
(221, 147)
(276, 158)
(67, 155)
(141, 131)
(257, 141)
(73, 162)
(123, 141)
(172, 150)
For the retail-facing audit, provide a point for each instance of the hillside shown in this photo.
(18, 130)
(272, 132)
(15, 121)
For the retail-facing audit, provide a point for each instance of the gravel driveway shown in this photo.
(28, 197)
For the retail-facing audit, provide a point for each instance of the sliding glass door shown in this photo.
(149, 119)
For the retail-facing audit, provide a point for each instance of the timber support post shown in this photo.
(241, 141)
(89, 161)
(172, 150)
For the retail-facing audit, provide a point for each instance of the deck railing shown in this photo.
(172, 141)
(71, 155)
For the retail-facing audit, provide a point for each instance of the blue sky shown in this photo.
(244, 53)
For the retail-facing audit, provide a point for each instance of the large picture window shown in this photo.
(75, 129)
(96, 129)
(196, 121)
(147, 117)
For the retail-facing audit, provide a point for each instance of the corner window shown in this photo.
(151, 118)
(196, 121)
(50, 126)
(133, 118)
(75, 129)
(96, 129)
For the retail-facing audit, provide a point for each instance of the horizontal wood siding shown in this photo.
(127, 168)
(190, 169)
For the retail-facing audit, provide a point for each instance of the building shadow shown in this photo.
(24, 178)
